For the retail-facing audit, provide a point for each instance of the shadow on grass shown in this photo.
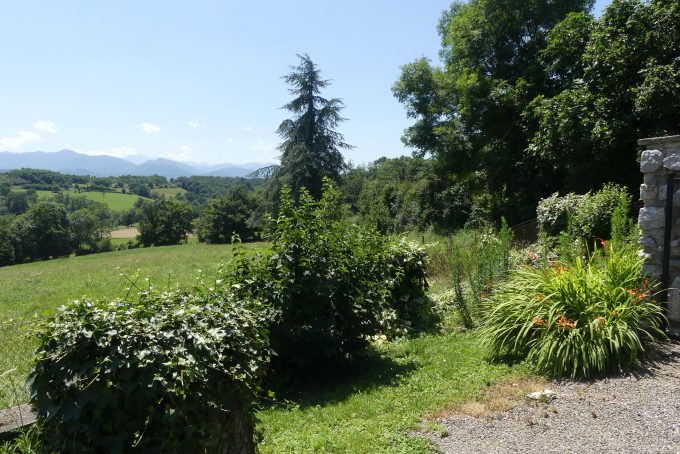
(365, 372)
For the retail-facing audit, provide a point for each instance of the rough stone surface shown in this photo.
(648, 192)
(662, 194)
(648, 242)
(674, 301)
(651, 218)
(651, 270)
(672, 162)
(649, 178)
(651, 160)
(638, 412)
(14, 419)
(645, 255)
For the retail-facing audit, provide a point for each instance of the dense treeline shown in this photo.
(537, 96)
(39, 225)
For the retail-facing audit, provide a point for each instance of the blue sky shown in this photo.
(201, 81)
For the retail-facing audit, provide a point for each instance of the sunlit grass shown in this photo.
(379, 409)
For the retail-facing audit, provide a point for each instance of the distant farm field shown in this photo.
(116, 201)
(125, 233)
(168, 192)
(40, 287)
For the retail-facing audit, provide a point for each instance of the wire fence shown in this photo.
(18, 342)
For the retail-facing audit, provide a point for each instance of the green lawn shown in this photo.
(40, 287)
(32, 291)
(116, 201)
(376, 409)
(379, 410)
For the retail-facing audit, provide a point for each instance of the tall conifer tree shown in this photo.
(311, 148)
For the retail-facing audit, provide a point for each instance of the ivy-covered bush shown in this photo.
(406, 265)
(168, 372)
(333, 285)
(587, 216)
(574, 319)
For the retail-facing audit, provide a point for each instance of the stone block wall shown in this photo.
(661, 156)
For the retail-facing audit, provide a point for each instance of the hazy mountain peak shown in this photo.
(69, 161)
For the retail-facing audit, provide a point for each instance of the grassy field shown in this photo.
(40, 287)
(116, 201)
(31, 291)
(393, 393)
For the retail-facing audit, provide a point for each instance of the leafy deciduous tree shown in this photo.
(226, 216)
(164, 222)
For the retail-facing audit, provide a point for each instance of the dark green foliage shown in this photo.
(575, 319)
(17, 202)
(215, 187)
(42, 232)
(468, 113)
(392, 196)
(332, 284)
(169, 372)
(311, 146)
(227, 216)
(539, 96)
(142, 190)
(6, 250)
(626, 79)
(586, 216)
(164, 222)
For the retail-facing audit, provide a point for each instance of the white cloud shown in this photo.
(248, 129)
(19, 140)
(47, 126)
(183, 155)
(230, 140)
(264, 145)
(150, 128)
(196, 123)
(118, 152)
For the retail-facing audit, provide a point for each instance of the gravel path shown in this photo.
(633, 413)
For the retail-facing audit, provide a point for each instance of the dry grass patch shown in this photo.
(497, 398)
(130, 233)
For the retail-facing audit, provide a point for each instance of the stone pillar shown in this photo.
(659, 156)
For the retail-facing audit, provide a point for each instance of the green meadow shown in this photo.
(116, 201)
(40, 287)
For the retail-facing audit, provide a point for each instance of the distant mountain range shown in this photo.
(68, 161)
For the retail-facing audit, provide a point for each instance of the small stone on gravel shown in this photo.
(635, 412)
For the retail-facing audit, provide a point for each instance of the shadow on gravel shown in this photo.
(364, 373)
(658, 355)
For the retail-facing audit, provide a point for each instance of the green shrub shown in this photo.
(406, 264)
(575, 319)
(171, 372)
(586, 216)
(333, 285)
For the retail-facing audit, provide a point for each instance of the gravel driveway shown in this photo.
(637, 412)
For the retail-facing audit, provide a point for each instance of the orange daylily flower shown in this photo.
(539, 321)
(639, 294)
(565, 323)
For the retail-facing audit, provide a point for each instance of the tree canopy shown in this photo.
(311, 148)
(539, 96)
